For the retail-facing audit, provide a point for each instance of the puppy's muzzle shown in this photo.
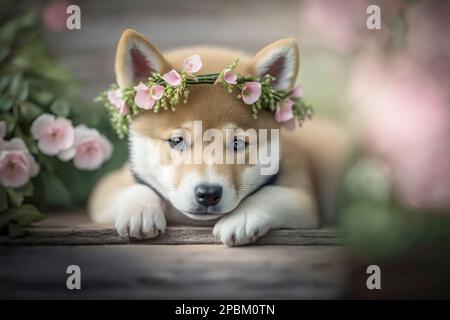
(208, 194)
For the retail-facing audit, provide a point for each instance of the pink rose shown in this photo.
(115, 97)
(172, 77)
(17, 165)
(54, 135)
(192, 64)
(54, 15)
(90, 150)
(230, 77)
(251, 92)
(146, 97)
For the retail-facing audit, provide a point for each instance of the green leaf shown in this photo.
(16, 85)
(17, 218)
(31, 144)
(4, 52)
(3, 200)
(28, 214)
(15, 197)
(7, 216)
(15, 231)
(53, 191)
(4, 81)
(18, 88)
(60, 108)
(26, 190)
(6, 102)
(22, 95)
(42, 97)
(29, 111)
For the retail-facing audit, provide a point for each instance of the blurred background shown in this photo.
(388, 87)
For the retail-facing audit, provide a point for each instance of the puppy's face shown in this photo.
(183, 154)
(205, 158)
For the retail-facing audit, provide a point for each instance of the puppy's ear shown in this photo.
(136, 59)
(280, 59)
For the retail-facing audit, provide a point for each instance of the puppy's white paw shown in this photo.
(241, 227)
(139, 213)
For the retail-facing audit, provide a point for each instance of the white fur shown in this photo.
(271, 207)
(140, 213)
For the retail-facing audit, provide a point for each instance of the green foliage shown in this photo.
(31, 83)
(374, 222)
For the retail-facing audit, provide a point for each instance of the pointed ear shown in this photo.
(280, 59)
(136, 59)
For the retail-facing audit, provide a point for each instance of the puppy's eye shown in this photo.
(239, 144)
(177, 143)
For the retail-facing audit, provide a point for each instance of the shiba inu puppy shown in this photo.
(241, 203)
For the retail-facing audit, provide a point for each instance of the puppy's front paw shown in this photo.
(139, 214)
(240, 228)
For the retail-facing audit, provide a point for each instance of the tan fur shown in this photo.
(312, 156)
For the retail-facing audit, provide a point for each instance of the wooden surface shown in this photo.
(186, 263)
(174, 235)
(75, 228)
(174, 272)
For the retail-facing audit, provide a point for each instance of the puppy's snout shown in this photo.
(208, 194)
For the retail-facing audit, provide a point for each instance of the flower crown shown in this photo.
(166, 91)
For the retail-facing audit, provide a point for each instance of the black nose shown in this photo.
(208, 194)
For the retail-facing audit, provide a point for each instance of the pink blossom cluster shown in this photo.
(17, 165)
(57, 137)
(405, 120)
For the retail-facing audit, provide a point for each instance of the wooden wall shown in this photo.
(244, 24)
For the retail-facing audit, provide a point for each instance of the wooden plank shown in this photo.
(172, 236)
(174, 272)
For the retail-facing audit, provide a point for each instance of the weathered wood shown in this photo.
(173, 235)
(174, 272)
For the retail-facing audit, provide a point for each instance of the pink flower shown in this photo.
(297, 92)
(251, 92)
(192, 64)
(405, 120)
(90, 150)
(173, 78)
(229, 76)
(156, 92)
(115, 97)
(17, 165)
(284, 111)
(53, 134)
(54, 15)
(284, 114)
(145, 98)
(142, 98)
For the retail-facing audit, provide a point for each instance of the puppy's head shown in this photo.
(206, 157)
